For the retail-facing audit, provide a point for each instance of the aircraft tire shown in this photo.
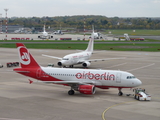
(71, 92)
(71, 66)
(120, 93)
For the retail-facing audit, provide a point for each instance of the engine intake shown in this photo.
(59, 64)
(86, 64)
(87, 89)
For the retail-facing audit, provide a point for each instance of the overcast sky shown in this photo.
(109, 8)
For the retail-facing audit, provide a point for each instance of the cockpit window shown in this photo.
(65, 58)
(131, 77)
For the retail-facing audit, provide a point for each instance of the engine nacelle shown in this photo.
(87, 89)
(59, 64)
(86, 64)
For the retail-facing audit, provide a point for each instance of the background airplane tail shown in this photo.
(26, 59)
(90, 45)
(44, 29)
(91, 42)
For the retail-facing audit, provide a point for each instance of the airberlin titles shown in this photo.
(97, 76)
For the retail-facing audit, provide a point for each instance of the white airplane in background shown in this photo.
(45, 34)
(95, 34)
(80, 57)
(83, 80)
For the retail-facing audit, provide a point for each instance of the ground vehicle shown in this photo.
(58, 32)
(12, 64)
(141, 95)
(1, 65)
(50, 65)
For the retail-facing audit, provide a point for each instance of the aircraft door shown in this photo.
(118, 78)
(38, 73)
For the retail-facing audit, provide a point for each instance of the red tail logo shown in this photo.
(24, 55)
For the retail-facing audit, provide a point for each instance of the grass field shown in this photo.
(81, 46)
(137, 32)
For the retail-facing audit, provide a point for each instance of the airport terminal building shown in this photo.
(12, 28)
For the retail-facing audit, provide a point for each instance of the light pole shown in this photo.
(6, 23)
(84, 21)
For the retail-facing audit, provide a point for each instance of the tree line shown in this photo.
(78, 22)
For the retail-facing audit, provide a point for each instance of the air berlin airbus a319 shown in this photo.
(83, 80)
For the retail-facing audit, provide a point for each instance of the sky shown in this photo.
(52, 8)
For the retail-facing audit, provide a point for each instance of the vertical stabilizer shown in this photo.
(93, 29)
(26, 59)
(44, 29)
(90, 44)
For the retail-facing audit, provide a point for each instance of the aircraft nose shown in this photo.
(138, 82)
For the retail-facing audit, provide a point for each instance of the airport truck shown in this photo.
(140, 94)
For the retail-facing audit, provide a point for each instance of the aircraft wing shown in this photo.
(68, 82)
(95, 60)
(52, 57)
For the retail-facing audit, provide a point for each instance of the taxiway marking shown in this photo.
(141, 67)
(117, 65)
(112, 107)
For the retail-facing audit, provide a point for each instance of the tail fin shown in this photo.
(44, 29)
(90, 44)
(93, 29)
(26, 59)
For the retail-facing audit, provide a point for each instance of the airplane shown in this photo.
(95, 34)
(82, 57)
(45, 35)
(83, 80)
(126, 36)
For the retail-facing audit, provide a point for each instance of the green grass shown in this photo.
(1, 41)
(114, 47)
(137, 32)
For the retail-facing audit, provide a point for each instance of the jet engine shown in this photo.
(86, 64)
(59, 64)
(87, 89)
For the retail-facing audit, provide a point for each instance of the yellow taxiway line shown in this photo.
(114, 106)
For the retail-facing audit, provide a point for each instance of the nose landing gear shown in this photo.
(120, 92)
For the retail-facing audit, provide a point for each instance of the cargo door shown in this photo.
(118, 78)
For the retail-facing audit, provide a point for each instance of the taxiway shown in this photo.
(20, 100)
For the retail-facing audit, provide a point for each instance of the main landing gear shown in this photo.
(71, 66)
(71, 92)
(120, 92)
